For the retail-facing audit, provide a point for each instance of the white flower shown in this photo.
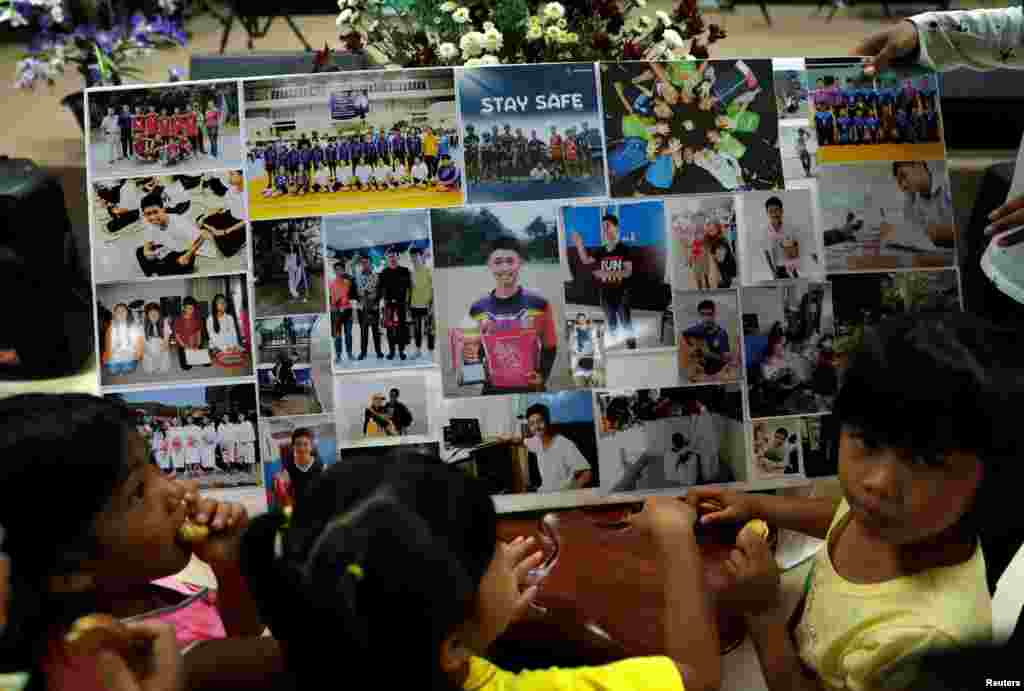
(492, 40)
(562, 23)
(553, 33)
(473, 62)
(353, 3)
(673, 39)
(11, 15)
(553, 11)
(663, 16)
(344, 18)
(534, 33)
(533, 21)
(646, 23)
(572, 37)
(470, 44)
(355, 16)
(641, 3)
(57, 14)
(447, 51)
(490, 60)
(461, 15)
(448, 6)
(488, 26)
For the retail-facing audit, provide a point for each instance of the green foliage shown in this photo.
(464, 237)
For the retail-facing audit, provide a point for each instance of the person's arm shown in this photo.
(983, 39)
(622, 97)
(808, 515)
(581, 472)
(585, 257)
(237, 664)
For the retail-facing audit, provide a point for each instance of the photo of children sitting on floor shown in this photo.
(383, 407)
(799, 146)
(705, 253)
(709, 337)
(524, 444)
(365, 141)
(295, 451)
(618, 258)
(288, 267)
(864, 300)
(174, 330)
(293, 365)
(185, 127)
(777, 447)
(791, 95)
(659, 439)
(880, 216)
(499, 289)
(890, 117)
(204, 433)
(173, 225)
(532, 133)
(788, 338)
(689, 127)
(380, 290)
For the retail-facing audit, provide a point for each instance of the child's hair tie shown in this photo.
(355, 570)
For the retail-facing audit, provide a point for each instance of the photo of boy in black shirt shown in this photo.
(613, 270)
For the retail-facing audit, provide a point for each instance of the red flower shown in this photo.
(631, 50)
(601, 41)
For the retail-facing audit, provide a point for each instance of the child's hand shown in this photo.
(753, 575)
(721, 506)
(1009, 215)
(888, 46)
(522, 556)
(161, 669)
(665, 519)
(226, 520)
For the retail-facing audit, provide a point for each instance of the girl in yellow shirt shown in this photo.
(926, 435)
(402, 560)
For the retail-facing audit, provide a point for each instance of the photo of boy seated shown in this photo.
(293, 365)
(777, 448)
(709, 340)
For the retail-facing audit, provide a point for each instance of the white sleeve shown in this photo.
(574, 460)
(985, 39)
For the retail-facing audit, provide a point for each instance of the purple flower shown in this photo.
(105, 40)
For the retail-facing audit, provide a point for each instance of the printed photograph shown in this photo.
(351, 142)
(881, 216)
(500, 288)
(788, 338)
(380, 290)
(705, 252)
(777, 447)
(791, 96)
(618, 258)
(170, 225)
(174, 330)
(658, 439)
(531, 132)
(288, 267)
(777, 237)
(528, 443)
(864, 300)
(180, 128)
(890, 117)
(293, 365)
(799, 146)
(373, 409)
(689, 127)
(709, 337)
(204, 433)
(295, 451)
(820, 442)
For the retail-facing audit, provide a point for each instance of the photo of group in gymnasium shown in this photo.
(618, 258)
(380, 290)
(293, 365)
(777, 237)
(177, 225)
(709, 337)
(689, 127)
(209, 434)
(499, 288)
(538, 443)
(660, 439)
(789, 343)
(531, 132)
(777, 447)
(184, 128)
(295, 451)
(880, 216)
(864, 300)
(705, 251)
(374, 409)
(288, 267)
(366, 141)
(893, 116)
(174, 330)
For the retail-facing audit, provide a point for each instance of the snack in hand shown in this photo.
(193, 532)
(95, 632)
(759, 527)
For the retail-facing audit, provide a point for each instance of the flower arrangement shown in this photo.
(427, 33)
(101, 55)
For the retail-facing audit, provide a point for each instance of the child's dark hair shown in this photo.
(934, 383)
(73, 447)
(505, 242)
(370, 545)
(539, 409)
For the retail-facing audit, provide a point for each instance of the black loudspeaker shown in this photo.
(47, 328)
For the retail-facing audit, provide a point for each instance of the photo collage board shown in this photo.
(582, 283)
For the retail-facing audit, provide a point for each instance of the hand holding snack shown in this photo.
(664, 519)
(753, 575)
(721, 506)
(224, 522)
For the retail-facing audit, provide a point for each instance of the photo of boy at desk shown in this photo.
(926, 426)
